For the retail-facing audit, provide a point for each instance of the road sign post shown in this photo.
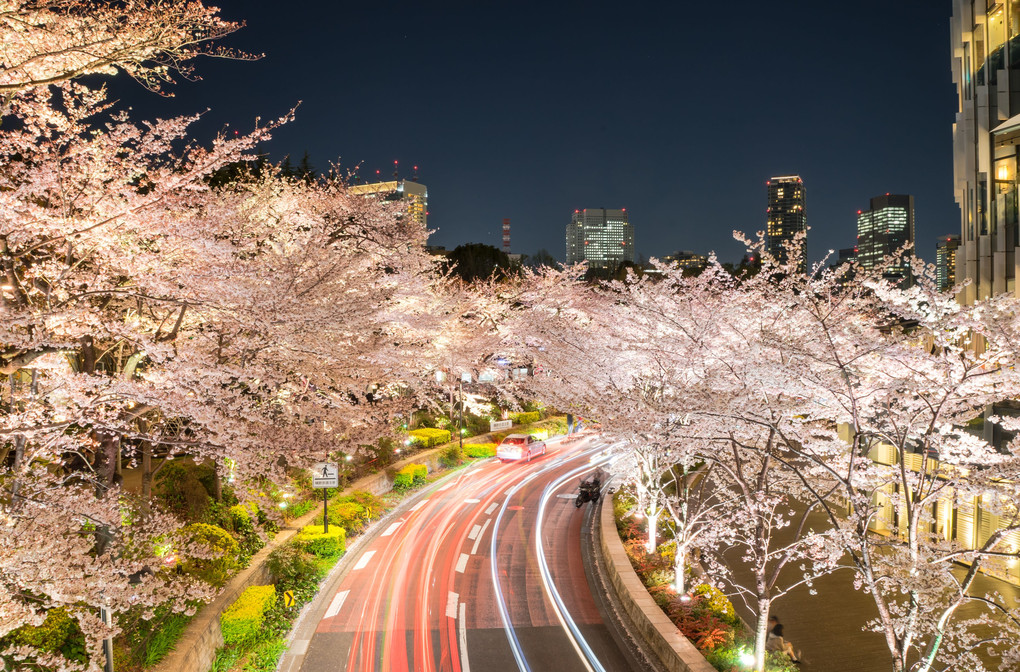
(325, 475)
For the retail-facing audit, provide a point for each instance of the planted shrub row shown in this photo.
(321, 544)
(427, 437)
(410, 476)
(477, 450)
(242, 620)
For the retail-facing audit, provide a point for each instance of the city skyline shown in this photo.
(499, 114)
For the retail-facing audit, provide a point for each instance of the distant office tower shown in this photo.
(847, 255)
(395, 190)
(986, 137)
(883, 231)
(687, 260)
(604, 238)
(786, 217)
(945, 262)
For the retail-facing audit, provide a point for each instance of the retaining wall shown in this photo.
(674, 651)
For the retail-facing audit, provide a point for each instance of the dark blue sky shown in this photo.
(678, 111)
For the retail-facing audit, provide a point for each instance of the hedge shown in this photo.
(426, 437)
(242, 620)
(476, 450)
(410, 476)
(524, 418)
(214, 570)
(311, 538)
(346, 514)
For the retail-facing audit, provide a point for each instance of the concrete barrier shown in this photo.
(674, 651)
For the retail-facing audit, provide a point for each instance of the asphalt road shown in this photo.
(482, 571)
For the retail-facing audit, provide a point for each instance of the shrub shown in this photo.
(217, 542)
(291, 566)
(312, 539)
(59, 633)
(373, 505)
(298, 509)
(180, 488)
(165, 637)
(242, 621)
(479, 450)
(410, 476)
(427, 438)
(717, 603)
(346, 514)
(451, 456)
(240, 516)
(525, 417)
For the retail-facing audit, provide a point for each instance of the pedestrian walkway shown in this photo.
(828, 628)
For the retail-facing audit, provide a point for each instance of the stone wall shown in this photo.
(674, 651)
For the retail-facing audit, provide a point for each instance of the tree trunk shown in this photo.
(679, 569)
(217, 481)
(146, 477)
(761, 633)
(653, 528)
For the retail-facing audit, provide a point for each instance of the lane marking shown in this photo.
(473, 534)
(474, 549)
(451, 605)
(463, 639)
(472, 501)
(419, 505)
(392, 528)
(363, 562)
(462, 563)
(334, 606)
(572, 495)
(492, 507)
(448, 485)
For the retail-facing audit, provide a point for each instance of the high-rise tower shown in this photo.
(986, 138)
(604, 238)
(395, 190)
(945, 261)
(884, 230)
(786, 217)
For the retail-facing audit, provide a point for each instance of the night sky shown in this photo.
(677, 111)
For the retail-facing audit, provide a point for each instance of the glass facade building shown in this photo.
(945, 262)
(603, 238)
(883, 231)
(395, 190)
(785, 217)
(986, 136)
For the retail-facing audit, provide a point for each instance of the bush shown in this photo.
(524, 418)
(291, 566)
(180, 488)
(717, 603)
(298, 509)
(410, 476)
(312, 539)
(346, 514)
(216, 541)
(427, 438)
(451, 456)
(59, 633)
(479, 450)
(242, 621)
(373, 505)
(165, 637)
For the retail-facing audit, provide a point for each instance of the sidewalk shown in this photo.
(828, 628)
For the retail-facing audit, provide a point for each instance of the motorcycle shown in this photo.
(589, 491)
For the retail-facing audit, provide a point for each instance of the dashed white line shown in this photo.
(448, 485)
(463, 639)
(451, 605)
(472, 501)
(363, 562)
(338, 601)
(474, 549)
(492, 507)
(392, 528)
(473, 534)
(419, 505)
(462, 563)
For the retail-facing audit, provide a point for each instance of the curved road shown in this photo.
(483, 571)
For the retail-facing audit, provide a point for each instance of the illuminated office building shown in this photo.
(945, 261)
(986, 136)
(882, 231)
(603, 238)
(395, 190)
(786, 217)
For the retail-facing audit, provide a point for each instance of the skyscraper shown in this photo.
(395, 190)
(604, 238)
(945, 261)
(986, 135)
(786, 217)
(883, 231)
